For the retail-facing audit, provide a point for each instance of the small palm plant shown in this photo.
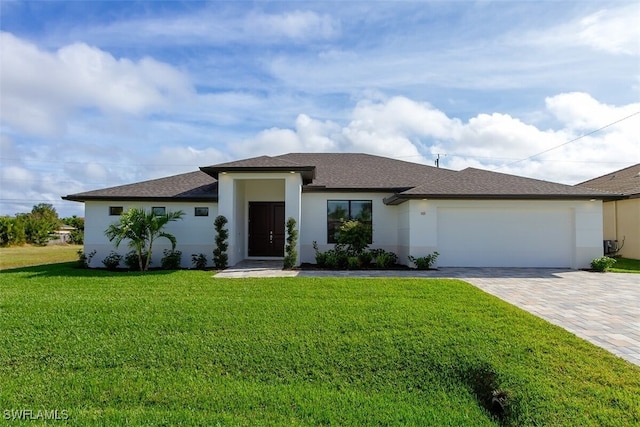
(141, 229)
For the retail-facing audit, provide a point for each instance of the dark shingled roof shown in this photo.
(350, 172)
(342, 171)
(196, 186)
(478, 183)
(625, 181)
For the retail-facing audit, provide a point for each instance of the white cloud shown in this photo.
(40, 88)
(614, 31)
(219, 26)
(177, 159)
(295, 25)
(402, 128)
(16, 179)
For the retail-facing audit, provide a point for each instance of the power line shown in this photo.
(570, 141)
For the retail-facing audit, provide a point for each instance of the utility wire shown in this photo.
(570, 141)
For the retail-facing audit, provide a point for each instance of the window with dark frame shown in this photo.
(201, 211)
(159, 210)
(339, 211)
(115, 210)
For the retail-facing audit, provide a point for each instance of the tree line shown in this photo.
(38, 227)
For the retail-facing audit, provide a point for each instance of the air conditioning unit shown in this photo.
(610, 247)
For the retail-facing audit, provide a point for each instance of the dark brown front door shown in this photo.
(266, 229)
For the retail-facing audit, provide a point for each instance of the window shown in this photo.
(115, 210)
(201, 211)
(339, 211)
(159, 210)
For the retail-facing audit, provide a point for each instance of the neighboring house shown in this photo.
(62, 235)
(621, 217)
(473, 218)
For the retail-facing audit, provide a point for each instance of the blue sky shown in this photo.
(96, 94)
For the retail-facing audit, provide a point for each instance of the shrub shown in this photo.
(132, 261)
(171, 260)
(365, 258)
(384, 259)
(220, 257)
(321, 257)
(112, 261)
(291, 255)
(424, 262)
(336, 259)
(355, 235)
(199, 261)
(353, 263)
(84, 260)
(603, 263)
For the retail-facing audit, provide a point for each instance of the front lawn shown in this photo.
(22, 256)
(626, 265)
(180, 348)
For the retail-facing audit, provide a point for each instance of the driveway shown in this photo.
(603, 308)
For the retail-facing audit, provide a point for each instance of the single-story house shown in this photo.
(473, 218)
(621, 216)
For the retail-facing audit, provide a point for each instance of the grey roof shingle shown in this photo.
(196, 186)
(364, 171)
(350, 172)
(478, 182)
(625, 181)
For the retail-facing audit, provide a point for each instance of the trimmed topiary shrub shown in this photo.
(291, 255)
(220, 257)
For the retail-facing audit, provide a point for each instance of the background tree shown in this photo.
(40, 224)
(141, 229)
(11, 232)
(77, 235)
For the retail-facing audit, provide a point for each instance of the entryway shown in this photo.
(266, 229)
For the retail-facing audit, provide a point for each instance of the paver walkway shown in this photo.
(601, 308)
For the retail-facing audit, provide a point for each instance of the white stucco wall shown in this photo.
(237, 189)
(194, 234)
(314, 227)
(573, 228)
(517, 233)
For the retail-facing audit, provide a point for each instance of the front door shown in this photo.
(266, 229)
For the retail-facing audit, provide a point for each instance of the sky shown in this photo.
(97, 94)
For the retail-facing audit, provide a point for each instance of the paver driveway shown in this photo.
(603, 308)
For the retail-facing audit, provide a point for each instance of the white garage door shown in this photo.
(505, 237)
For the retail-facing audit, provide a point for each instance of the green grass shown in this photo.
(626, 265)
(23, 256)
(183, 348)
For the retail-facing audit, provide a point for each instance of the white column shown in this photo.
(226, 207)
(293, 204)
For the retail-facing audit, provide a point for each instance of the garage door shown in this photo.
(505, 237)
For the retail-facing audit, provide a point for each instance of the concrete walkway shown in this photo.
(601, 308)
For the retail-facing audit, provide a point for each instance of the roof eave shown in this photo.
(325, 189)
(308, 172)
(82, 199)
(397, 199)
